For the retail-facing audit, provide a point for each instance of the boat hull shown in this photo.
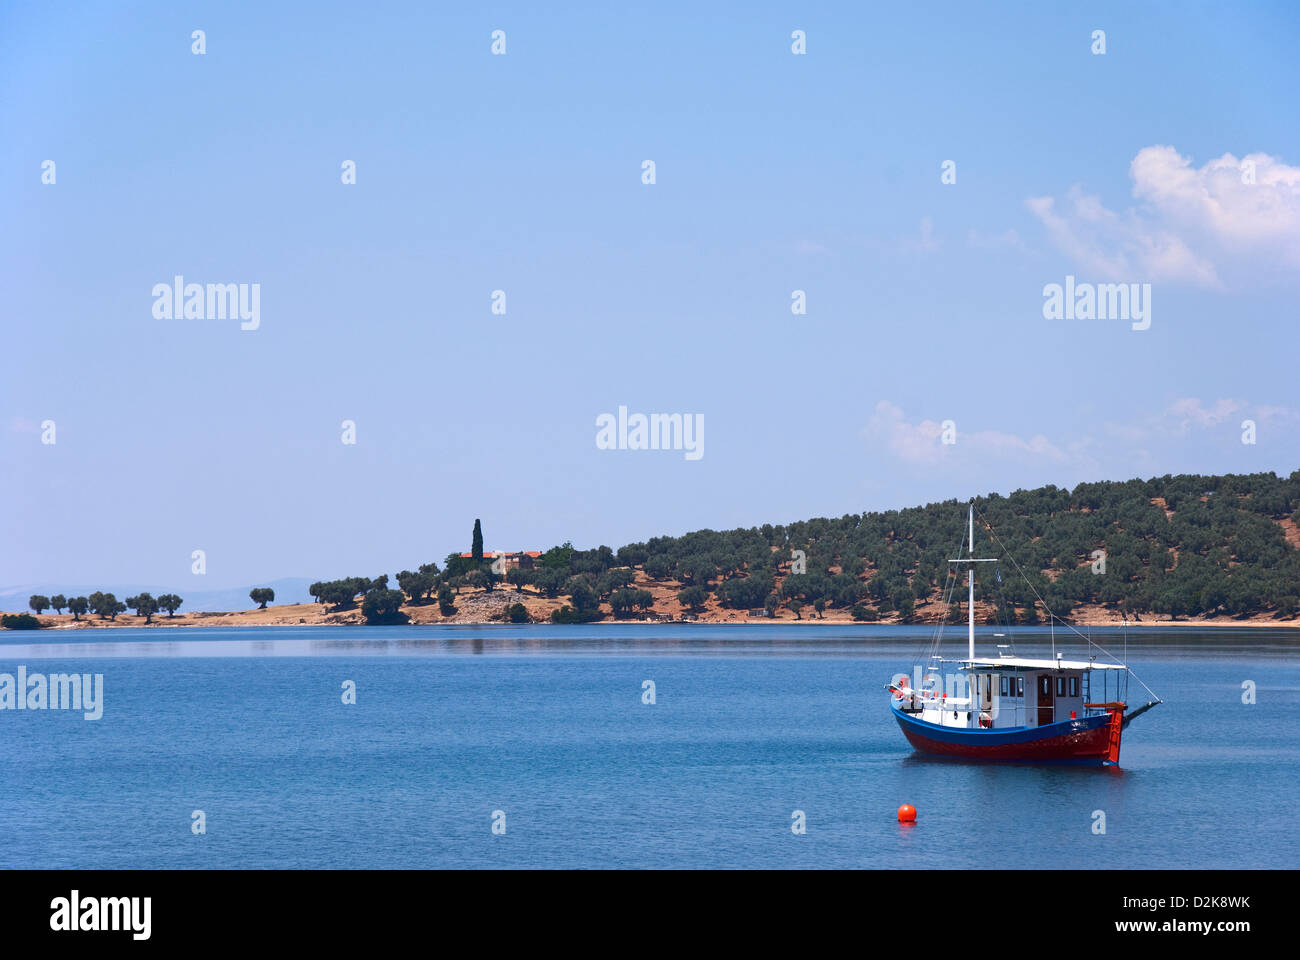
(1087, 740)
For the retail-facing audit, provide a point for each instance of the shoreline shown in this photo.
(478, 609)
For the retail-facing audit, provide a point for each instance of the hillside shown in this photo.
(1169, 547)
(1221, 548)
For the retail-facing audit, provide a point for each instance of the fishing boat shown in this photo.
(1013, 708)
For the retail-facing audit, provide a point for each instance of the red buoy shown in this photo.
(907, 813)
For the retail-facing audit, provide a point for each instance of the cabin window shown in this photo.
(1045, 686)
(1005, 685)
(1060, 686)
(1020, 686)
(1074, 686)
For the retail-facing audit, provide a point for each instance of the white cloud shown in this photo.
(1187, 412)
(922, 442)
(913, 442)
(1216, 202)
(1273, 413)
(1144, 439)
(1117, 247)
(1190, 225)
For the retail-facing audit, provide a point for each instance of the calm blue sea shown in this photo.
(547, 725)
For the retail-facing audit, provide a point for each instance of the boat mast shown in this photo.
(970, 577)
(970, 559)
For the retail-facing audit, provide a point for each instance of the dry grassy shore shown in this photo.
(480, 606)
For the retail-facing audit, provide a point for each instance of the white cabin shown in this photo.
(1011, 692)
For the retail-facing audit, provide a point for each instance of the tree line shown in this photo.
(107, 607)
(1186, 545)
(1179, 545)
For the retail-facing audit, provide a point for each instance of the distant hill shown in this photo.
(1173, 546)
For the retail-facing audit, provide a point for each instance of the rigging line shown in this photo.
(953, 580)
(937, 637)
(933, 643)
(921, 642)
(947, 612)
(1052, 616)
(1007, 620)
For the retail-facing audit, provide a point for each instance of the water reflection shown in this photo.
(907, 644)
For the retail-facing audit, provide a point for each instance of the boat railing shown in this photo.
(1019, 713)
(931, 698)
(1006, 715)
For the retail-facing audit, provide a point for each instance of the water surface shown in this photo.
(547, 724)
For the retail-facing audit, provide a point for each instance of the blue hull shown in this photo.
(1092, 739)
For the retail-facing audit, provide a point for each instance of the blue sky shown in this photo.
(523, 173)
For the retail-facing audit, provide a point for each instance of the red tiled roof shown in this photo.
(493, 554)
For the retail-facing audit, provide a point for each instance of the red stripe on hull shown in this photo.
(1093, 744)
